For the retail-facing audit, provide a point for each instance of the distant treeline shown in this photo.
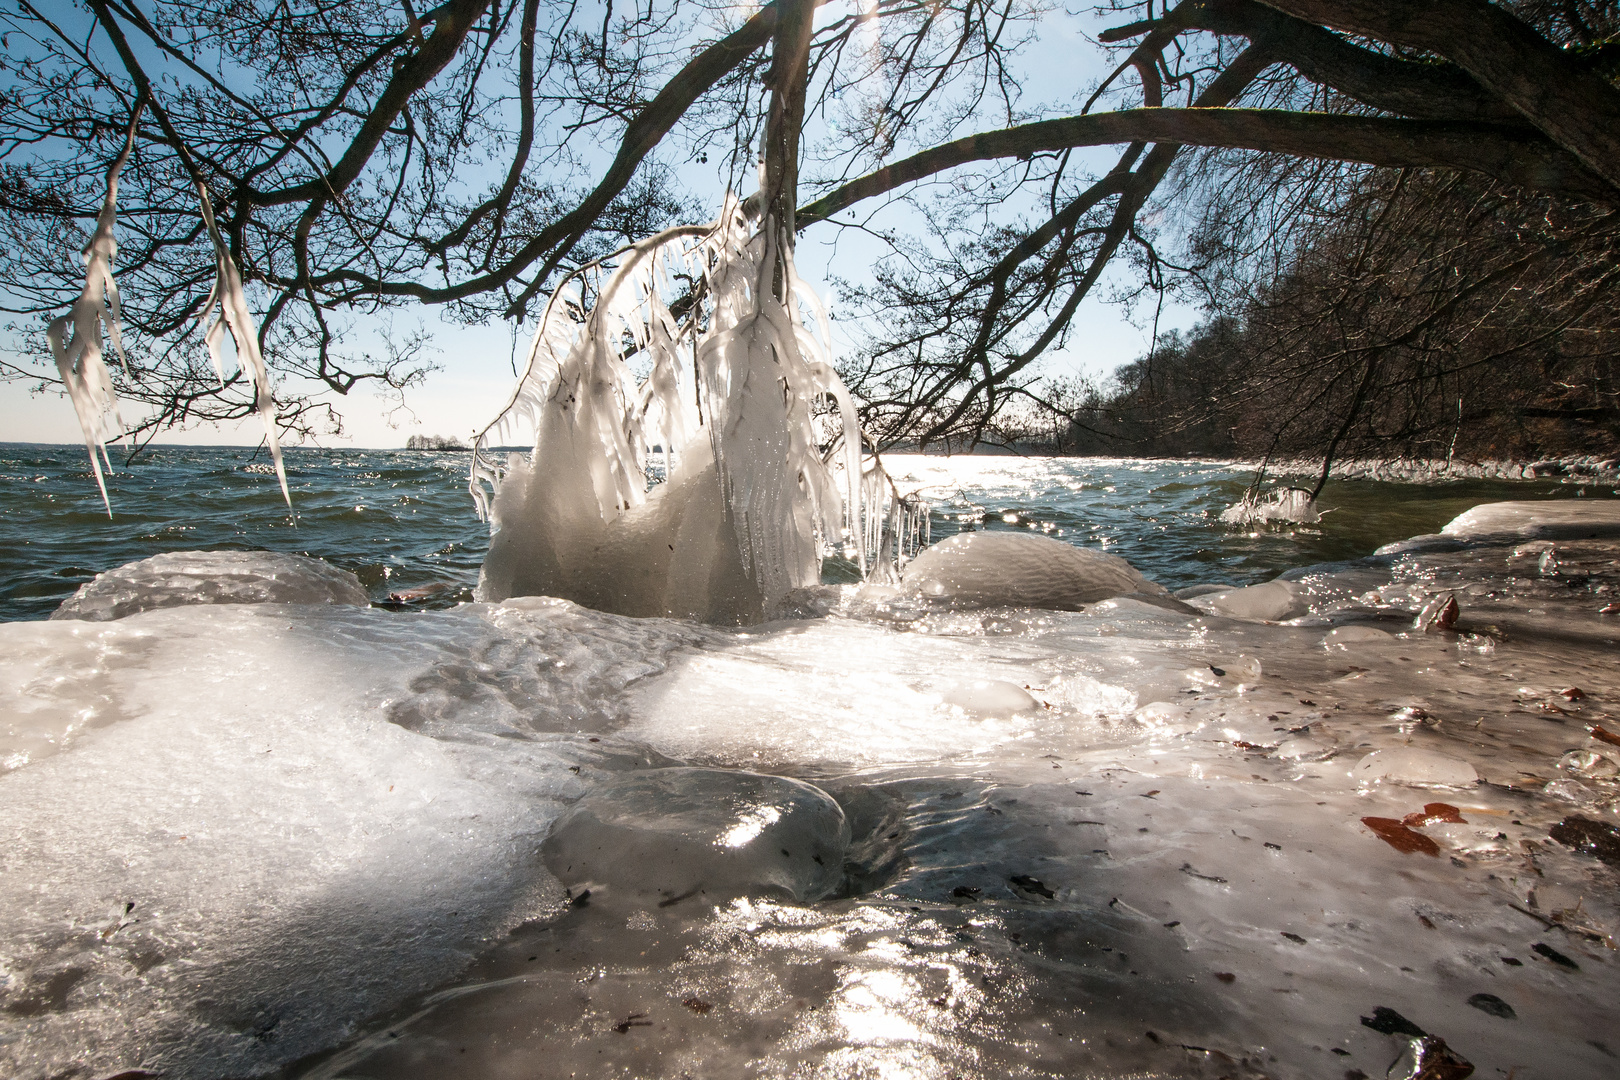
(1421, 315)
(434, 442)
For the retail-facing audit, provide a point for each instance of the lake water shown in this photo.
(402, 520)
(1275, 833)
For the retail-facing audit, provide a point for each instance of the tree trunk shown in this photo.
(788, 80)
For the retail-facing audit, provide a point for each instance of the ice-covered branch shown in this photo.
(227, 303)
(79, 358)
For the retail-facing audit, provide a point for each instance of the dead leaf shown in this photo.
(1399, 837)
(1572, 693)
(1434, 812)
(1598, 732)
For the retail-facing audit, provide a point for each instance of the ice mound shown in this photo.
(179, 578)
(675, 554)
(990, 697)
(1541, 519)
(704, 835)
(1273, 601)
(1414, 767)
(994, 569)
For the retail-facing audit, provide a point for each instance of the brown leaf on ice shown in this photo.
(1547, 706)
(1601, 734)
(1433, 812)
(1399, 837)
(697, 1005)
(1572, 693)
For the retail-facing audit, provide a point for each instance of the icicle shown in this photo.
(1283, 504)
(79, 359)
(233, 314)
(729, 389)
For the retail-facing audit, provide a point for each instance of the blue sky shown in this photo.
(475, 373)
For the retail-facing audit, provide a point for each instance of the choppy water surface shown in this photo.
(401, 520)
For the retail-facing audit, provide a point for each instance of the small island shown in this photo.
(435, 442)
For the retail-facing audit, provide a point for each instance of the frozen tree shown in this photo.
(369, 156)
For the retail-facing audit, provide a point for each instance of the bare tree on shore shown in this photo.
(366, 157)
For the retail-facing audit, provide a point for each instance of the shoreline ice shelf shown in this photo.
(1278, 831)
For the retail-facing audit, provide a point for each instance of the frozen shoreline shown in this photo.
(1590, 468)
(1128, 838)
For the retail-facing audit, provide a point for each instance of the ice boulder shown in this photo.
(704, 835)
(994, 569)
(181, 578)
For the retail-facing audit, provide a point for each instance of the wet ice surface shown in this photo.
(181, 578)
(1123, 841)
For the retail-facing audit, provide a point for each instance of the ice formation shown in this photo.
(1540, 519)
(677, 355)
(667, 836)
(988, 569)
(78, 359)
(232, 313)
(1283, 504)
(178, 578)
(1127, 840)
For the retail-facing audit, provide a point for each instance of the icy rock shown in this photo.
(1547, 519)
(1573, 791)
(1301, 748)
(1245, 669)
(1343, 636)
(993, 569)
(990, 697)
(181, 578)
(1589, 763)
(1440, 613)
(1413, 767)
(666, 835)
(1272, 602)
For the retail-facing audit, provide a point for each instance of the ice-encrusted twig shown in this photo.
(79, 359)
(233, 314)
(1283, 504)
(740, 360)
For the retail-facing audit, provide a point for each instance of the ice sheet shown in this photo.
(1168, 864)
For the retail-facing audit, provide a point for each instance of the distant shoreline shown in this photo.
(1598, 468)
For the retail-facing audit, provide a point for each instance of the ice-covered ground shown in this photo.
(1261, 832)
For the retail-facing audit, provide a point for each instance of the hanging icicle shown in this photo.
(233, 314)
(79, 359)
